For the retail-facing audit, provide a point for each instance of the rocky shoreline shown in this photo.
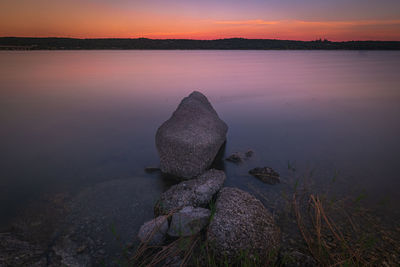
(187, 144)
(202, 211)
(70, 230)
(232, 220)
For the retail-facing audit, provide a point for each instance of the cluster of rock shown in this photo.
(240, 222)
(196, 192)
(187, 144)
(186, 203)
(265, 174)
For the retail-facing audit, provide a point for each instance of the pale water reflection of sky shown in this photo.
(71, 119)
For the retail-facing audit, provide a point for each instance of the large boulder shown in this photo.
(188, 221)
(241, 224)
(189, 141)
(196, 192)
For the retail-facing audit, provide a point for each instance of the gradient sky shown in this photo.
(336, 20)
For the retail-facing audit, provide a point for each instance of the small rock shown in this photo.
(266, 174)
(238, 157)
(196, 192)
(154, 231)
(189, 221)
(81, 249)
(235, 158)
(249, 153)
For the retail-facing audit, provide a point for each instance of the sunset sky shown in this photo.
(336, 20)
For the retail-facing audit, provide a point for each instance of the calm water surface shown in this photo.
(73, 121)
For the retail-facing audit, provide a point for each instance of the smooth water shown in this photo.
(73, 121)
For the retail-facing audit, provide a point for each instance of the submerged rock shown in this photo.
(249, 153)
(266, 174)
(124, 203)
(188, 142)
(235, 158)
(239, 157)
(188, 221)
(242, 224)
(67, 250)
(154, 231)
(15, 251)
(196, 192)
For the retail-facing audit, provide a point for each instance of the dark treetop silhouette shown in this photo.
(26, 43)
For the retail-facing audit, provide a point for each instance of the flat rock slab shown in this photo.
(188, 142)
(241, 224)
(154, 231)
(189, 221)
(196, 192)
(266, 174)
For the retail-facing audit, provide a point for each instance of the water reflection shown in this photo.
(75, 119)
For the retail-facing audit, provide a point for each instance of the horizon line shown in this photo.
(192, 39)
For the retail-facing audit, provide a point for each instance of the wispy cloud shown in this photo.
(350, 22)
(309, 23)
(247, 22)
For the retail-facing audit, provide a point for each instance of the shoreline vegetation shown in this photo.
(55, 43)
(318, 228)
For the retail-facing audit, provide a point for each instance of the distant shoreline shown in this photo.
(53, 43)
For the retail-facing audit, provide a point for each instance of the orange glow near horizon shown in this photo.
(91, 19)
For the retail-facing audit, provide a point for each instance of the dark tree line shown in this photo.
(15, 43)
